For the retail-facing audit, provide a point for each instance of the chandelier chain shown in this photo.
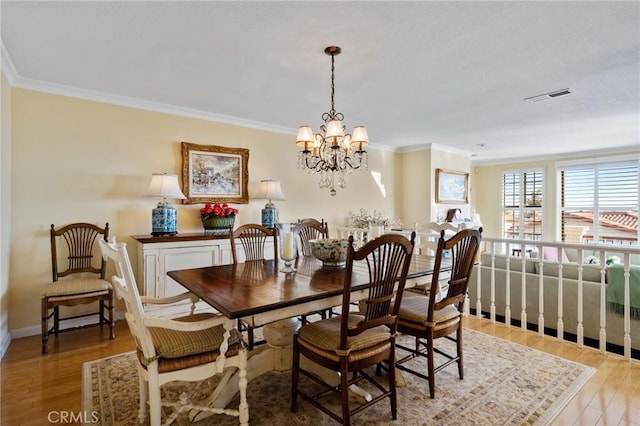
(333, 85)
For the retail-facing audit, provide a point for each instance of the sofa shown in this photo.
(591, 277)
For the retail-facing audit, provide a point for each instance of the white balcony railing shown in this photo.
(512, 273)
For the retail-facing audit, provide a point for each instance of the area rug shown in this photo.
(504, 384)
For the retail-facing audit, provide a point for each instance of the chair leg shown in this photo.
(144, 398)
(392, 382)
(101, 314)
(112, 330)
(344, 390)
(155, 406)
(459, 345)
(56, 320)
(45, 325)
(250, 337)
(431, 367)
(295, 375)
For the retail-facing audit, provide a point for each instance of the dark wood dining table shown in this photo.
(259, 294)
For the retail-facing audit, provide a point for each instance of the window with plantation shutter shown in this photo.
(600, 201)
(522, 196)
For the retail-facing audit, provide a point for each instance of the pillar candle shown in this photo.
(288, 250)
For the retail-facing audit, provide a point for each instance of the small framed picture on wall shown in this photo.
(452, 187)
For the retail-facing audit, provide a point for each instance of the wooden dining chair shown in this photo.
(427, 318)
(77, 278)
(427, 236)
(253, 238)
(306, 230)
(352, 342)
(310, 229)
(188, 348)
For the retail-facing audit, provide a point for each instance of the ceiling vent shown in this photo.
(550, 95)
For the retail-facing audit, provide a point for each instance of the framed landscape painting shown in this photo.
(214, 174)
(452, 187)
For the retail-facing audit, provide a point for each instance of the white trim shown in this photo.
(91, 95)
(432, 147)
(597, 161)
(6, 65)
(593, 154)
(4, 344)
(79, 322)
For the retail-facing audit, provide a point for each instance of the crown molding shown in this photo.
(91, 95)
(6, 65)
(596, 153)
(434, 147)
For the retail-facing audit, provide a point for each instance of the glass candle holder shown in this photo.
(288, 246)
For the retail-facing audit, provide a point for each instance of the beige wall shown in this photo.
(416, 201)
(442, 158)
(76, 160)
(5, 209)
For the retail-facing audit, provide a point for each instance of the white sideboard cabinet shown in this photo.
(159, 255)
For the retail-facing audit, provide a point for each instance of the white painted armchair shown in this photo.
(189, 348)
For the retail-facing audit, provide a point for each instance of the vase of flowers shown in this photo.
(218, 217)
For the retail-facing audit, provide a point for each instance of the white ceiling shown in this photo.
(452, 74)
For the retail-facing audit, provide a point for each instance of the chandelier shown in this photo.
(331, 151)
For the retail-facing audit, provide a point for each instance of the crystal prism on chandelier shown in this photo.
(331, 151)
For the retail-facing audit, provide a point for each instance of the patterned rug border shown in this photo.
(576, 385)
(545, 418)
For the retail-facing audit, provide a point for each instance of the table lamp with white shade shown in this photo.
(269, 190)
(164, 218)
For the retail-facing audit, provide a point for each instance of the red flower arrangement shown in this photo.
(217, 210)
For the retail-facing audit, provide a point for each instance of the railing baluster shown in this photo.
(603, 303)
(523, 292)
(541, 297)
(492, 308)
(627, 308)
(507, 289)
(580, 329)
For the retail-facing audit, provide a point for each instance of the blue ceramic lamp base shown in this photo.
(269, 217)
(164, 220)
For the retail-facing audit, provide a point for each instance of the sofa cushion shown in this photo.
(570, 270)
(551, 253)
(515, 263)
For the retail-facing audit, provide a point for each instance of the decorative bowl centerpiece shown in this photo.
(331, 251)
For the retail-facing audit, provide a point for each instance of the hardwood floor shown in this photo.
(36, 387)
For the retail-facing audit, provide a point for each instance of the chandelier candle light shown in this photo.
(332, 151)
(164, 218)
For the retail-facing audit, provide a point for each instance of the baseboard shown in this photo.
(75, 323)
(5, 335)
(4, 344)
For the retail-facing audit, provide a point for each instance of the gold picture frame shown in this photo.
(452, 187)
(214, 174)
